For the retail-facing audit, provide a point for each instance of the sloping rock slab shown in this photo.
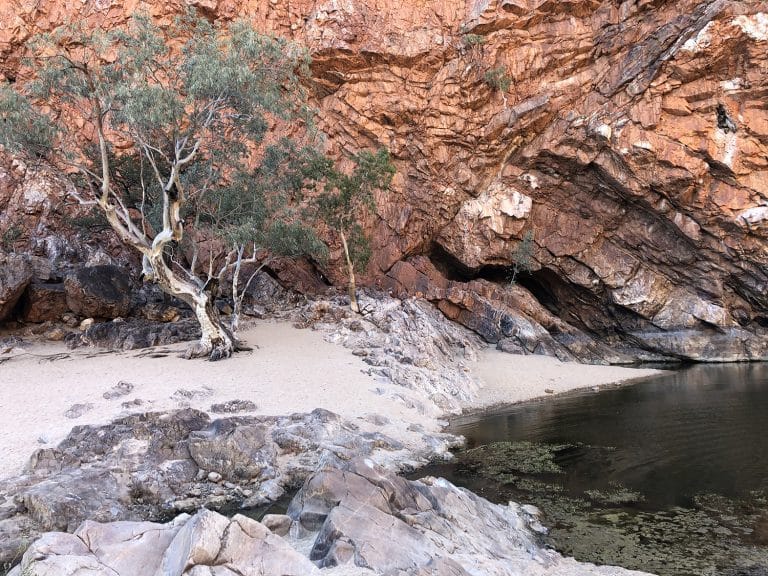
(156, 465)
(373, 519)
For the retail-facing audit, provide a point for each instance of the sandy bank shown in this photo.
(509, 379)
(292, 370)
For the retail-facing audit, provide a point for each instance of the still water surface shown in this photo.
(641, 467)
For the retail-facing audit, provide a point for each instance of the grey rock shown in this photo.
(77, 410)
(366, 521)
(392, 526)
(235, 449)
(119, 390)
(407, 342)
(134, 334)
(144, 466)
(279, 524)
(233, 406)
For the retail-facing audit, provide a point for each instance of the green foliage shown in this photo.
(213, 100)
(346, 197)
(498, 79)
(22, 129)
(522, 256)
(472, 40)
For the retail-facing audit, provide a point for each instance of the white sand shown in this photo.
(508, 378)
(291, 371)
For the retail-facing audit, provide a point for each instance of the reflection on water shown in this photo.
(668, 475)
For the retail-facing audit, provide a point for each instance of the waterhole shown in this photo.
(669, 475)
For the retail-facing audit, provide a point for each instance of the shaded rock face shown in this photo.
(15, 275)
(151, 466)
(99, 292)
(629, 138)
(360, 519)
(45, 302)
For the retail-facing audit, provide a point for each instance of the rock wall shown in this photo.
(628, 137)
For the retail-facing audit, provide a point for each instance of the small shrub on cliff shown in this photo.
(522, 256)
(498, 79)
(472, 40)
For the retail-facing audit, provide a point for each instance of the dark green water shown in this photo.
(669, 475)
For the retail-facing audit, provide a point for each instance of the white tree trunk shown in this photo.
(352, 287)
(217, 341)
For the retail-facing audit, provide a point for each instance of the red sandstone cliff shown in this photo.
(632, 141)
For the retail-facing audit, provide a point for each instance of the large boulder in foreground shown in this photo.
(206, 544)
(361, 520)
(15, 274)
(99, 291)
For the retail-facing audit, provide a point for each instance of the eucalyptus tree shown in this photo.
(164, 128)
(343, 202)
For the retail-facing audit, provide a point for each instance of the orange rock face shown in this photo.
(631, 139)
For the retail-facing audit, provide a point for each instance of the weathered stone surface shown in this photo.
(99, 292)
(44, 302)
(370, 522)
(134, 333)
(206, 544)
(146, 466)
(232, 406)
(630, 142)
(234, 449)
(503, 314)
(375, 520)
(406, 342)
(15, 274)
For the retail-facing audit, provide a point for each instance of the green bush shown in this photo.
(471, 40)
(498, 79)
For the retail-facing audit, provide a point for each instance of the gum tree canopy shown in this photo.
(180, 132)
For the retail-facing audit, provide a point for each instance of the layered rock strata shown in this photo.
(629, 138)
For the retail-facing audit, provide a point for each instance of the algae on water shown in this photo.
(504, 459)
(609, 524)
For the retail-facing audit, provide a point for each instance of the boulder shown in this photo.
(234, 449)
(44, 302)
(206, 544)
(15, 274)
(147, 466)
(99, 291)
(370, 518)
